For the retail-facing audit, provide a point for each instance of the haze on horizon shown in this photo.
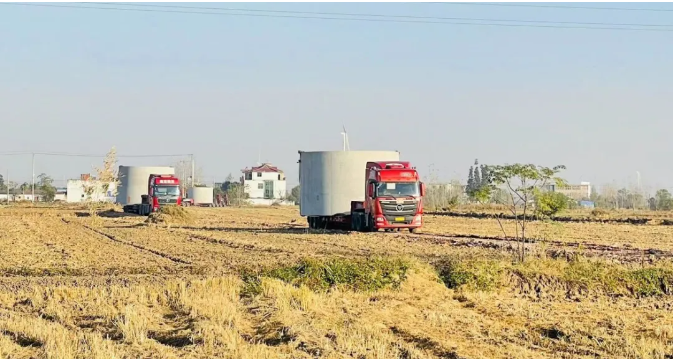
(226, 88)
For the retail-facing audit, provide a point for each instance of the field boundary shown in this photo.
(483, 215)
(554, 248)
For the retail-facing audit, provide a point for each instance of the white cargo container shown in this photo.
(330, 180)
(202, 196)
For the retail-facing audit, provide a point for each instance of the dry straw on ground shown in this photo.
(172, 215)
(255, 283)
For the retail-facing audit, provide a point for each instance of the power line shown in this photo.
(560, 6)
(389, 16)
(63, 154)
(353, 19)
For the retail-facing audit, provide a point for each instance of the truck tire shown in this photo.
(370, 224)
(413, 230)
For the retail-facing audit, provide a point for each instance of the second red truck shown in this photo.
(360, 190)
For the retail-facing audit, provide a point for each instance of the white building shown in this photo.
(18, 197)
(76, 191)
(61, 194)
(265, 184)
(577, 192)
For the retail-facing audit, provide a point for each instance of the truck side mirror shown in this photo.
(422, 189)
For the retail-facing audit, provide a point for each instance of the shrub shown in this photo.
(550, 203)
(474, 274)
(321, 275)
(599, 212)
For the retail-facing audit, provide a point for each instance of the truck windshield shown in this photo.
(166, 191)
(397, 189)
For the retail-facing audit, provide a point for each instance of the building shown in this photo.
(264, 184)
(576, 192)
(18, 197)
(76, 191)
(61, 194)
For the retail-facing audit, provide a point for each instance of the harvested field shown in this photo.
(256, 283)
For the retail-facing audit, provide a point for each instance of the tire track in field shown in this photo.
(230, 244)
(137, 246)
(553, 247)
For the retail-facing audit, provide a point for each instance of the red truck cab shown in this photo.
(163, 190)
(394, 196)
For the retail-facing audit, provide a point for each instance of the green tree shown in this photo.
(523, 182)
(479, 186)
(2, 183)
(294, 194)
(549, 203)
(470, 182)
(485, 176)
(477, 177)
(663, 200)
(217, 190)
(45, 185)
(236, 194)
(227, 182)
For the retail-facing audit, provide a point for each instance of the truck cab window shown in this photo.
(398, 189)
(160, 191)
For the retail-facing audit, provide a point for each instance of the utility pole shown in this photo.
(33, 182)
(192, 158)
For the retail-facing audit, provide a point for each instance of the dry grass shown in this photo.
(577, 213)
(617, 235)
(178, 292)
(172, 215)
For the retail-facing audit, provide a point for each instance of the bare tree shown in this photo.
(107, 180)
(236, 194)
(523, 182)
(441, 195)
(183, 171)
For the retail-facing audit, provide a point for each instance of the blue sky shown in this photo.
(227, 87)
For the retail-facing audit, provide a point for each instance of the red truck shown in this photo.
(393, 200)
(162, 190)
(360, 190)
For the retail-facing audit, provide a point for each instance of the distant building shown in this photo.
(18, 197)
(576, 192)
(76, 192)
(587, 204)
(61, 194)
(264, 184)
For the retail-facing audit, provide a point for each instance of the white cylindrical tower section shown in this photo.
(201, 195)
(330, 180)
(133, 182)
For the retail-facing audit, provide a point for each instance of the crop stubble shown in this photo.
(184, 316)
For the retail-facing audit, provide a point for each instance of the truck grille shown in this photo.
(168, 201)
(393, 210)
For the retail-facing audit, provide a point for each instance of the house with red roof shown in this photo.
(264, 184)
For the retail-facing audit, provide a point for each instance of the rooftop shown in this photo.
(265, 167)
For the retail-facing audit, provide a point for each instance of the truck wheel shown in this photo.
(370, 225)
(413, 230)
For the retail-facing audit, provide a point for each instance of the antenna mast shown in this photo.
(344, 134)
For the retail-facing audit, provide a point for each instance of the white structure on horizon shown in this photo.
(264, 184)
(577, 192)
(75, 191)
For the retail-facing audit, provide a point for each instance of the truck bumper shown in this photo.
(381, 222)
